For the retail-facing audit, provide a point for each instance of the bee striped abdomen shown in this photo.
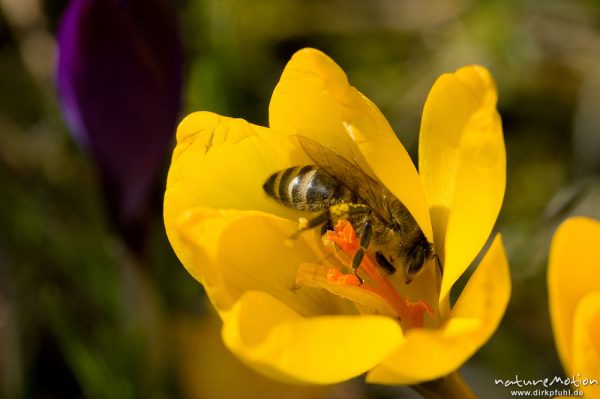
(306, 188)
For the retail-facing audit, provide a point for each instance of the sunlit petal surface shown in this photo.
(586, 342)
(573, 284)
(222, 163)
(272, 338)
(462, 163)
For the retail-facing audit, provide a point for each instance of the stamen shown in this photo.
(335, 276)
(343, 285)
(411, 314)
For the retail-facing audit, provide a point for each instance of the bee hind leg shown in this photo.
(327, 226)
(304, 224)
(365, 240)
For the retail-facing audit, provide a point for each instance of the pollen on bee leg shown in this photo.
(302, 223)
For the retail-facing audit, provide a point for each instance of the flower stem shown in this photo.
(451, 386)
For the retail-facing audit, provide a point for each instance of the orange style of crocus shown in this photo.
(289, 310)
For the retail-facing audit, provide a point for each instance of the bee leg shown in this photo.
(317, 220)
(355, 209)
(326, 226)
(358, 257)
(320, 219)
(365, 240)
(366, 234)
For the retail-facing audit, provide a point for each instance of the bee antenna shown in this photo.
(438, 263)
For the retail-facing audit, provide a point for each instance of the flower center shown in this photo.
(374, 294)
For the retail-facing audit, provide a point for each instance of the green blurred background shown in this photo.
(82, 317)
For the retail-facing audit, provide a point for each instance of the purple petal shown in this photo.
(120, 79)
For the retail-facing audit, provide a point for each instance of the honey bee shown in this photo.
(337, 189)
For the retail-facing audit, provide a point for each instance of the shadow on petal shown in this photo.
(231, 252)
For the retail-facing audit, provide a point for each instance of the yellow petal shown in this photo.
(429, 354)
(231, 252)
(222, 163)
(462, 162)
(210, 169)
(314, 99)
(275, 340)
(586, 343)
(573, 272)
(206, 369)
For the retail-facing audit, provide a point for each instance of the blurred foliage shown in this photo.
(80, 316)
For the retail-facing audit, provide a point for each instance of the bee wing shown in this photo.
(375, 195)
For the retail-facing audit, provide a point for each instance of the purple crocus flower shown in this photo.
(120, 80)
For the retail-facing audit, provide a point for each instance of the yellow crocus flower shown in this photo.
(574, 296)
(286, 310)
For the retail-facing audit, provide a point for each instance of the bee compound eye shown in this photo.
(416, 261)
(415, 268)
(384, 262)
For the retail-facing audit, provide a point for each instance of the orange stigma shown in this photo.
(411, 314)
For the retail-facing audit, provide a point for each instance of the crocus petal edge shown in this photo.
(276, 341)
(462, 161)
